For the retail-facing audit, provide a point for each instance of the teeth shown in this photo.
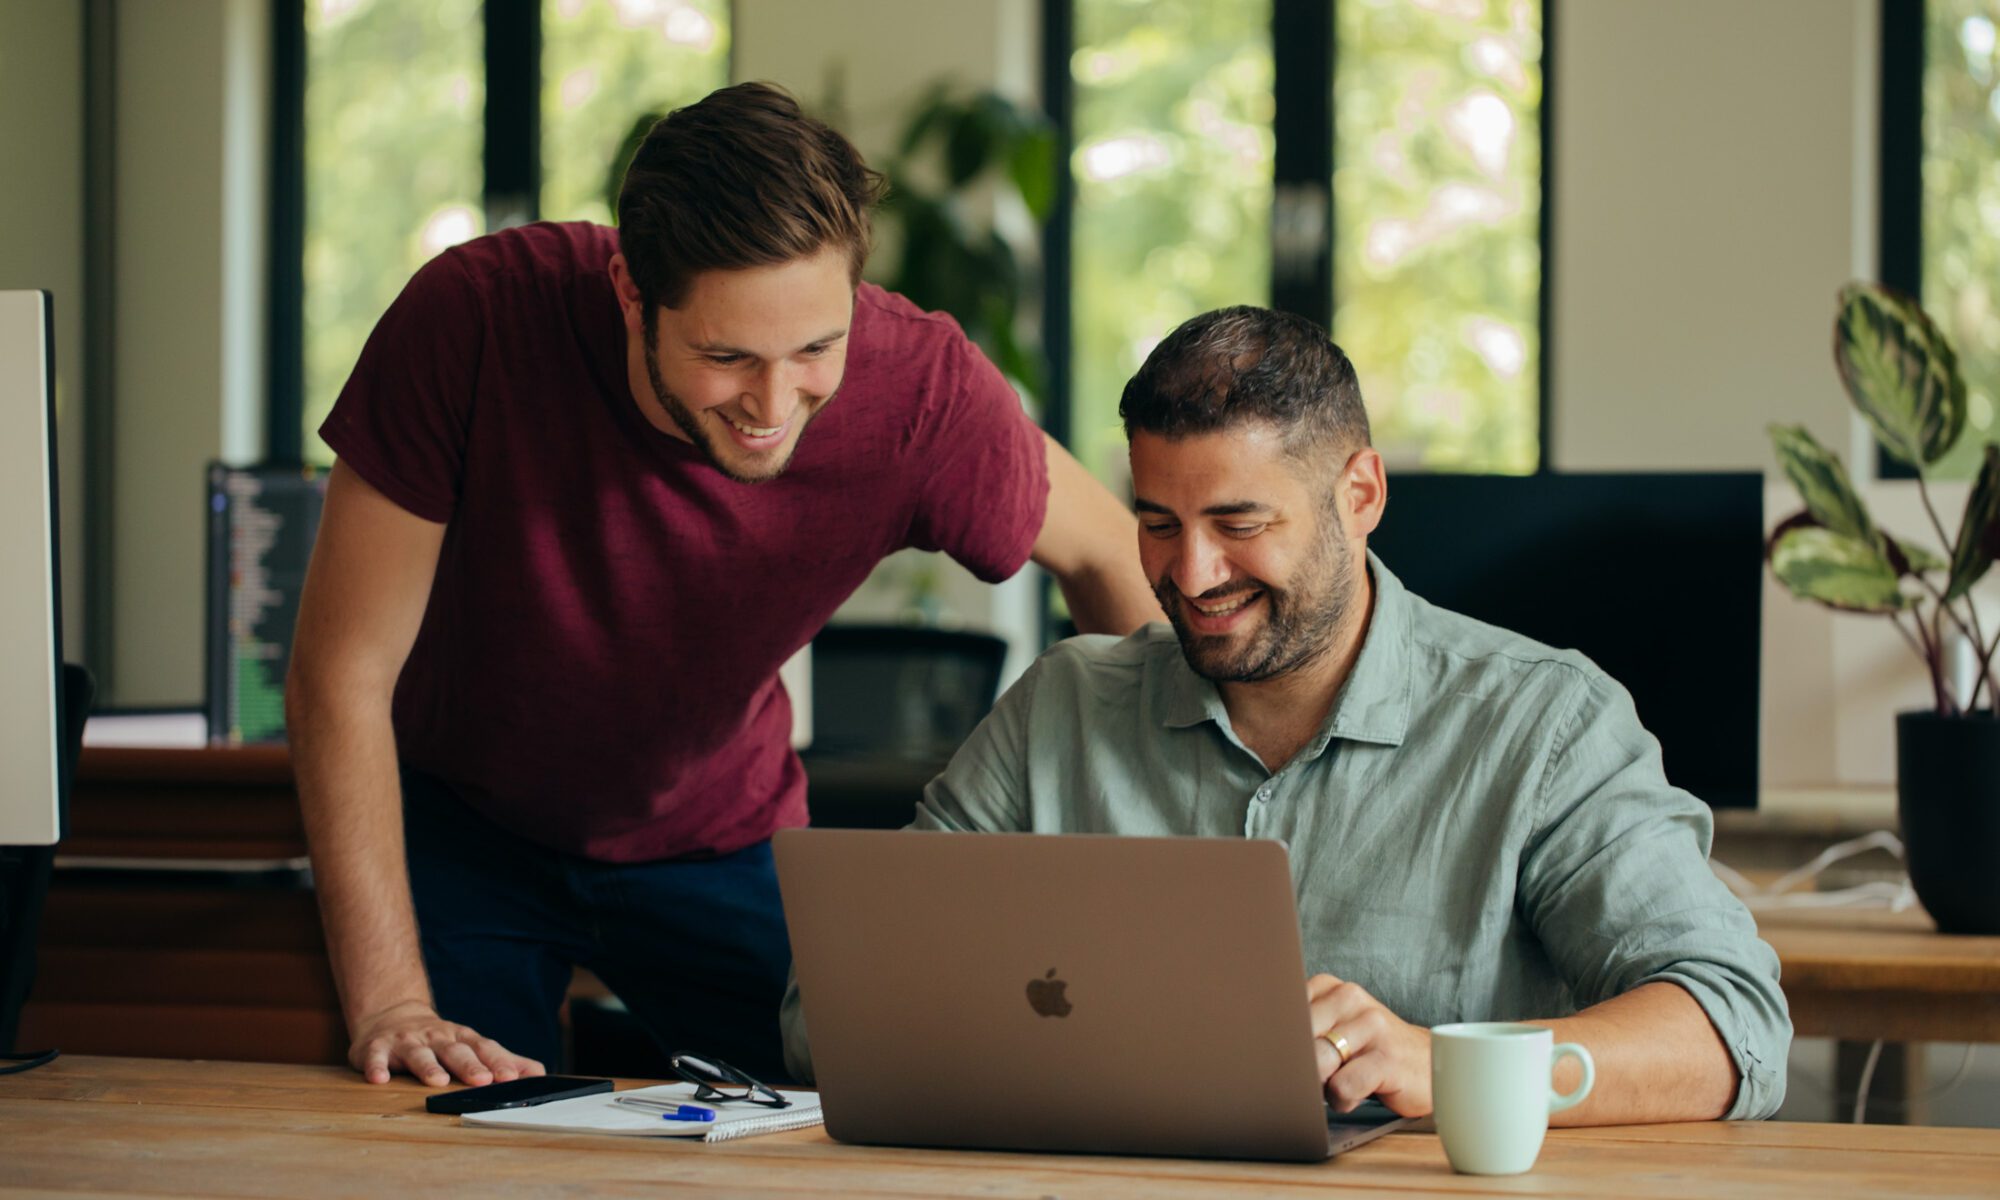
(1224, 609)
(754, 431)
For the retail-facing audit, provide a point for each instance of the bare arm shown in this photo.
(1090, 543)
(1658, 1058)
(364, 598)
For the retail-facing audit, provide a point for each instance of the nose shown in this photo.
(1199, 564)
(773, 395)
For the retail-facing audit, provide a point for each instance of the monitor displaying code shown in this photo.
(261, 524)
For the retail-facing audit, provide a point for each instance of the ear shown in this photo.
(1364, 492)
(629, 301)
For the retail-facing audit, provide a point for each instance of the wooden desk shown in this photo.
(1859, 975)
(143, 1127)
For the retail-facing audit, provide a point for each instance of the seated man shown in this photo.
(1479, 827)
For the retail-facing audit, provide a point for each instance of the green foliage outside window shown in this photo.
(602, 62)
(1961, 230)
(394, 93)
(1436, 201)
(1173, 188)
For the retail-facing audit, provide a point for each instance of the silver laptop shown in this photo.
(1059, 992)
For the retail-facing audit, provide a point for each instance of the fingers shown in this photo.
(1361, 1078)
(504, 1063)
(421, 1061)
(464, 1062)
(1320, 985)
(373, 1062)
(1340, 1005)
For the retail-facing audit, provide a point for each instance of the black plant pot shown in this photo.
(1948, 795)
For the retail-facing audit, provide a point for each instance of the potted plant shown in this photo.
(1903, 378)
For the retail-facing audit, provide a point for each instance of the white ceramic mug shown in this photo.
(1491, 1089)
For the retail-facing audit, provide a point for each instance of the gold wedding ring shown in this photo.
(1339, 1045)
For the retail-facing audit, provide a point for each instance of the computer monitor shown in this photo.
(35, 741)
(1656, 577)
(30, 613)
(261, 525)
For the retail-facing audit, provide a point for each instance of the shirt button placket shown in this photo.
(1258, 800)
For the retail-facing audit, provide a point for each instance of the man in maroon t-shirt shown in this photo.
(576, 525)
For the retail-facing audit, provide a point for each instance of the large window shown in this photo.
(1426, 235)
(1436, 204)
(1172, 168)
(606, 63)
(398, 133)
(392, 151)
(1961, 207)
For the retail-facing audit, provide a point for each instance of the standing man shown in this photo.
(593, 488)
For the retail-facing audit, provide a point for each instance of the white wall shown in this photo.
(1714, 185)
(41, 233)
(192, 102)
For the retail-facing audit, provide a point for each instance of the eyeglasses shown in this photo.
(717, 1080)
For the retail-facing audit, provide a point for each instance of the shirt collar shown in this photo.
(1374, 703)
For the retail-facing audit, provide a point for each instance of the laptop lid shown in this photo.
(1055, 992)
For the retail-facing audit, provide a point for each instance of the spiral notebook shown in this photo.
(597, 1114)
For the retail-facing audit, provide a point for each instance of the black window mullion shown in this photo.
(513, 147)
(1900, 201)
(284, 399)
(1302, 60)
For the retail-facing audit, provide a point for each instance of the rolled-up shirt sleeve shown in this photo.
(1615, 882)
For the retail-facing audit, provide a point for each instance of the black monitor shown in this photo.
(1656, 577)
(261, 525)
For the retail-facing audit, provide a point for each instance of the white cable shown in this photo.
(1867, 1080)
(1901, 1103)
(1895, 896)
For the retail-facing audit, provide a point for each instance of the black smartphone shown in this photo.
(516, 1093)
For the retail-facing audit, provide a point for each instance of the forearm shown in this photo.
(1109, 598)
(344, 760)
(1658, 1058)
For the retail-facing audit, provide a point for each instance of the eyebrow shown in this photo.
(1232, 508)
(725, 348)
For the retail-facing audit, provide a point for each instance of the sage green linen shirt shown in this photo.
(1481, 830)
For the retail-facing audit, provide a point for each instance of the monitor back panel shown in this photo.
(30, 650)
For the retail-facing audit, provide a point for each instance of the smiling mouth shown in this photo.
(1223, 607)
(753, 431)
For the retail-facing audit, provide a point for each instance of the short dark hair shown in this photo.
(1247, 365)
(740, 179)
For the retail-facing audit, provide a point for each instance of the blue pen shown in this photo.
(669, 1110)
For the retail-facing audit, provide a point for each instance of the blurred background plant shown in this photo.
(1903, 377)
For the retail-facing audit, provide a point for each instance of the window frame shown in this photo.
(1302, 47)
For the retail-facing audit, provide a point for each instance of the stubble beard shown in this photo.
(1300, 625)
(685, 419)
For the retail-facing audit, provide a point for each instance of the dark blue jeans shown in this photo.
(696, 948)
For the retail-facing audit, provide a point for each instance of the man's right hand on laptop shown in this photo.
(1385, 1056)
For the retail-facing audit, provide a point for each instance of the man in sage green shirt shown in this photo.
(1479, 828)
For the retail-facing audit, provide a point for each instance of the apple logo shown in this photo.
(1045, 995)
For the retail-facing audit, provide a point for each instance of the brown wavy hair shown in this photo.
(742, 178)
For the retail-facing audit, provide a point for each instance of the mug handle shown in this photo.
(1561, 1100)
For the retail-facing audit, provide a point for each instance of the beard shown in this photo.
(1300, 624)
(686, 420)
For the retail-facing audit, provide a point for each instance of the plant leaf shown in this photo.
(1033, 167)
(1910, 558)
(1837, 571)
(1979, 529)
(1822, 483)
(1900, 371)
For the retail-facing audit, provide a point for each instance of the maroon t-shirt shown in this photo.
(597, 669)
